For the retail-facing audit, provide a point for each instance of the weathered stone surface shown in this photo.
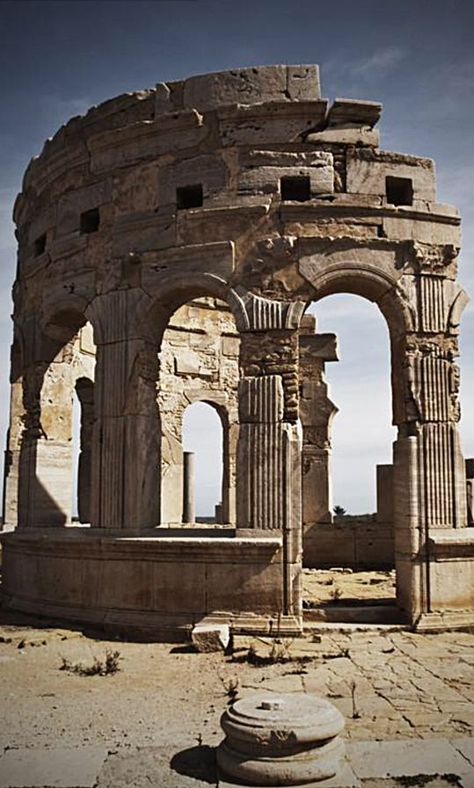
(58, 767)
(210, 637)
(192, 273)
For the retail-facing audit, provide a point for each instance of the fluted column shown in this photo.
(270, 436)
(125, 472)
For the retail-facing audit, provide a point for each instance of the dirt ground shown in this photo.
(344, 586)
(390, 684)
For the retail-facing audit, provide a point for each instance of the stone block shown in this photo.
(210, 637)
(351, 112)
(76, 202)
(252, 86)
(405, 758)
(365, 174)
(59, 767)
(208, 170)
(267, 179)
(357, 136)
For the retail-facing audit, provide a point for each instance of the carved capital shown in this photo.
(434, 258)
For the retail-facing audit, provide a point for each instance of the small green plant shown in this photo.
(99, 667)
(339, 511)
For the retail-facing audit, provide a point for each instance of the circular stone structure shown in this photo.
(287, 739)
(169, 243)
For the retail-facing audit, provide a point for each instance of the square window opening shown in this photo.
(189, 196)
(90, 221)
(295, 187)
(40, 245)
(399, 191)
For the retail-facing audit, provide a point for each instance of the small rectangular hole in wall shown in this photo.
(90, 221)
(399, 191)
(40, 245)
(295, 187)
(189, 196)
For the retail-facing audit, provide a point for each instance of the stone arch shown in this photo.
(48, 378)
(173, 290)
(191, 372)
(380, 287)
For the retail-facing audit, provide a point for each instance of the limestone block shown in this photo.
(269, 123)
(145, 141)
(76, 202)
(60, 767)
(426, 229)
(357, 136)
(144, 232)
(251, 86)
(189, 363)
(135, 190)
(351, 112)
(366, 174)
(267, 179)
(230, 346)
(208, 170)
(210, 637)
(320, 346)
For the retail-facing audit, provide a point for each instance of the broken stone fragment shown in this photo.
(210, 637)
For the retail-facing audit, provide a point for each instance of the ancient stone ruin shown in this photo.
(170, 242)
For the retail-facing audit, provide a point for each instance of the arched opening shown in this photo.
(203, 437)
(197, 398)
(347, 458)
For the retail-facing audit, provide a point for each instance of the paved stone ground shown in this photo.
(407, 700)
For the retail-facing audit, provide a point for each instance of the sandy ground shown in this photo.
(389, 684)
(343, 586)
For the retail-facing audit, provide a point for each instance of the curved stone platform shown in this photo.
(153, 586)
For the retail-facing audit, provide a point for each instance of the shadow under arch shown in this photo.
(46, 377)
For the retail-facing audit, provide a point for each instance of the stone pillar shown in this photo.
(126, 471)
(189, 488)
(317, 412)
(384, 476)
(429, 470)
(12, 458)
(470, 491)
(269, 444)
(85, 393)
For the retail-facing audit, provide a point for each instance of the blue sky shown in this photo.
(58, 58)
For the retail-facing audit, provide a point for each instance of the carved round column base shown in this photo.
(287, 739)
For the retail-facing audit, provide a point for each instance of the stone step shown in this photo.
(363, 614)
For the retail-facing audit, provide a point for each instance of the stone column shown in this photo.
(126, 472)
(189, 488)
(317, 412)
(12, 458)
(429, 470)
(269, 444)
(85, 393)
(470, 490)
